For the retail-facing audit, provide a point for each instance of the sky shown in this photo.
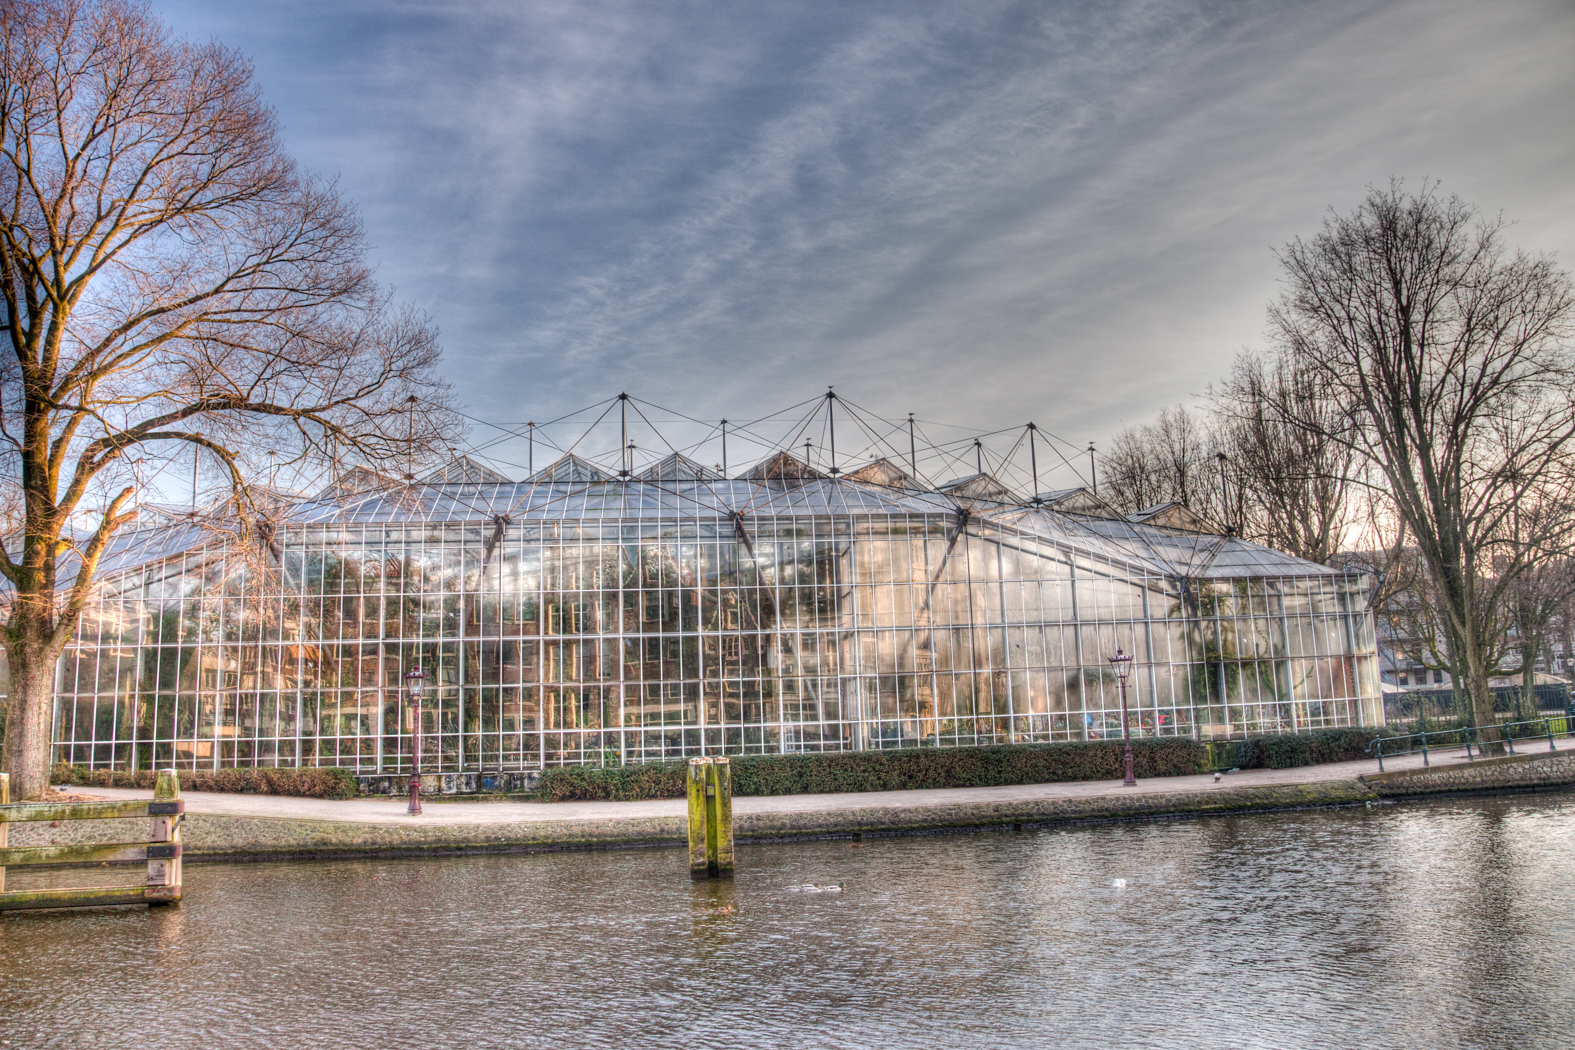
(983, 213)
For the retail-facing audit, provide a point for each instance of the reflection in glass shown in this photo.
(607, 622)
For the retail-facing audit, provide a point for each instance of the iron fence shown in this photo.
(1469, 736)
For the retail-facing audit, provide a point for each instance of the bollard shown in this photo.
(699, 860)
(164, 846)
(719, 819)
(710, 792)
(5, 828)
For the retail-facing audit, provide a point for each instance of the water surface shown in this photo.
(1437, 926)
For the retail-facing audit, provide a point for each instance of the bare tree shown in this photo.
(1169, 460)
(1292, 476)
(171, 280)
(1537, 597)
(1450, 359)
(1561, 639)
(1406, 604)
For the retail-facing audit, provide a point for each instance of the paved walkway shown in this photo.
(450, 811)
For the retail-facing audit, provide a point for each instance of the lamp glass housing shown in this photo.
(1122, 662)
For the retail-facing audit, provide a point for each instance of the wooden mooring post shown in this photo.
(161, 850)
(710, 819)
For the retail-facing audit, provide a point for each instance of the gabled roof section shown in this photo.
(678, 467)
(571, 469)
(1078, 501)
(784, 467)
(978, 486)
(1171, 516)
(462, 470)
(884, 472)
(160, 515)
(355, 482)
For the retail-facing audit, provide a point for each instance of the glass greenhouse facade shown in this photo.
(581, 618)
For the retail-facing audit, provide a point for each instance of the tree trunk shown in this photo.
(1530, 648)
(1482, 711)
(29, 716)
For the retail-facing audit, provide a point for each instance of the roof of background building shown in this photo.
(884, 472)
(462, 470)
(1172, 515)
(978, 487)
(678, 467)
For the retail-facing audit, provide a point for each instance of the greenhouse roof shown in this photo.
(571, 490)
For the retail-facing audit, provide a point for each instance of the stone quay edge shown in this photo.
(1536, 770)
(267, 830)
(216, 836)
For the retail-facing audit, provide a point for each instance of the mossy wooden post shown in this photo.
(699, 862)
(164, 846)
(719, 819)
(5, 827)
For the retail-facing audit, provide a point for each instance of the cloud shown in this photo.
(981, 212)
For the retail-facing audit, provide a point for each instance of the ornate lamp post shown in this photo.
(1122, 662)
(413, 682)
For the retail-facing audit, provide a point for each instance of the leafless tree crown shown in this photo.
(1420, 387)
(1448, 358)
(1169, 460)
(1279, 431)
(172, 282)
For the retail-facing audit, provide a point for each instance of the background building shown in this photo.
(579, 617)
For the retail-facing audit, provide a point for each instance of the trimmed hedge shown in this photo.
(301, 783)
(896, 770)
(1290, 750)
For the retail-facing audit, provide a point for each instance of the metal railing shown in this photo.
(1467, 735)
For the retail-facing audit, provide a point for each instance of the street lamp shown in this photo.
(413, 682)
(1122, 662)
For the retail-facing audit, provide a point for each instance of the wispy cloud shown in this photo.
(987, 211)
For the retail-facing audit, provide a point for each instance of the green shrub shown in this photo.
(1290, 750)
(621, 783)
(301, 783)
(897, 770)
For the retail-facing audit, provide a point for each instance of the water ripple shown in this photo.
(1437, 926)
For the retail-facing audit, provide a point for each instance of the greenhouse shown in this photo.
(583, 617)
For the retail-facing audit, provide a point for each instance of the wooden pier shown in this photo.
(161, 850)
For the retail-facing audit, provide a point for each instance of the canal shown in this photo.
(1448, 924)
